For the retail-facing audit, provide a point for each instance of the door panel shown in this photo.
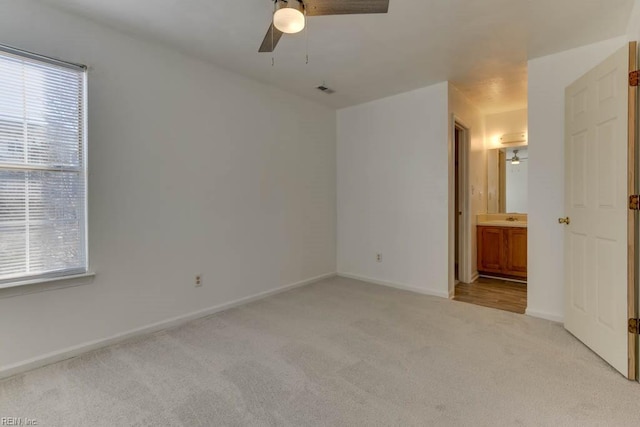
(596, 121)
(577, 278)
(490, 249)
(516, 252)
(579, 169)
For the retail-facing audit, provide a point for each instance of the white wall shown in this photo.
(633, 29)
(516, 181)
(393, 190)
(548, 77)
(473, 119)
(192, 170)
(493, 181)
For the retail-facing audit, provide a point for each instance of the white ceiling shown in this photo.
(480, 45)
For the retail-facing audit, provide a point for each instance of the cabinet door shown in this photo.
(516, 252)
(490, 249)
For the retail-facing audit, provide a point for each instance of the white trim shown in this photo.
(85, 164)
(67, 353)
(44, 279)
(475, 276)
(431, 292)
(464, 262)
(50, 284)
(544, 315)
(13, 51)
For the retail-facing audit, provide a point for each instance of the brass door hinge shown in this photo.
(634, 326)
(634, 202)
(634, 77)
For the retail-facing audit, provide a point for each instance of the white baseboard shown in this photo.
(475, 276)
(432, 292)
(544, 315)
(67, 353)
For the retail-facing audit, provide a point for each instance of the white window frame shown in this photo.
(49, 279)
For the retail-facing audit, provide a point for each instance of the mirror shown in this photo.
(507, 180)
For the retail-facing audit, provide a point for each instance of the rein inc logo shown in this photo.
(18, 421)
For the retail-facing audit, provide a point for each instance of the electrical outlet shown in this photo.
(198, 280)
(379, 257)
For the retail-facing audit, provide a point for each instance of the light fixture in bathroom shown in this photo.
(515, 160)
(514, 138)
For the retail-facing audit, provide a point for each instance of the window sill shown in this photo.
(25, 287)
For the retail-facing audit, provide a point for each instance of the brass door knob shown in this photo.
(564, 220)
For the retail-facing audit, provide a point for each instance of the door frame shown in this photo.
(464, 260)
(632, 225)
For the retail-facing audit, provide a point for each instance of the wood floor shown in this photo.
(494, 293)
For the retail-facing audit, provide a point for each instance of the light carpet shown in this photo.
(335, 353)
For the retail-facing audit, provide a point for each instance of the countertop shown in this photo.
(503, 223)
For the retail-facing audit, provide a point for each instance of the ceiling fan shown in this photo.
(290, 15)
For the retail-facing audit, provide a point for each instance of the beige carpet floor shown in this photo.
(336, 353)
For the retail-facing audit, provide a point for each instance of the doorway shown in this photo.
(460, 237)
(497, 232)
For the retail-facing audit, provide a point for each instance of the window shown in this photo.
(43, 174)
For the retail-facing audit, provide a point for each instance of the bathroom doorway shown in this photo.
(499, 222)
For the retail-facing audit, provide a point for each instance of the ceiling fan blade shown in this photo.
(271, 39)
(345, 7)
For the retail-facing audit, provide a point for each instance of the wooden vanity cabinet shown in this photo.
(516, 252)
(490, 249)
(502, 251)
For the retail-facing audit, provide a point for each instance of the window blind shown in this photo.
(43, 179)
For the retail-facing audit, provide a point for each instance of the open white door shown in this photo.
(599, 277)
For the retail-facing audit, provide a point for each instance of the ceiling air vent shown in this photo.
(325, 89)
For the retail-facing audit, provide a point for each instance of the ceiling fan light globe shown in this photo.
(289, 20)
